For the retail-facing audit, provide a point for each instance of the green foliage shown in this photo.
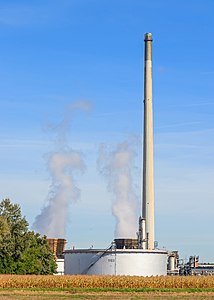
(22, 251)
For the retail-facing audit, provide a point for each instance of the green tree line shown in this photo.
(22, 251)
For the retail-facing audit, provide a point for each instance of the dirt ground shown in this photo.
(19, 295)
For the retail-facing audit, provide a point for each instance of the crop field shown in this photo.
(105, 287)
(105, 282)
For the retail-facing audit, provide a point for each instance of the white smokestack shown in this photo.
(148, 159)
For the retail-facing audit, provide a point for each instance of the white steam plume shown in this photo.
(62, 165)
(117, 167)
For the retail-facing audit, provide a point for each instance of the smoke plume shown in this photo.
(117, 167)
(63, 163)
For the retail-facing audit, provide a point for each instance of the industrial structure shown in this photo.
(146, 221)
(133, 256)
(130, 256)
(115, 261)
(192, 266)
(57, 247)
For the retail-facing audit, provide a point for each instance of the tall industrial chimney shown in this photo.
(146, 222)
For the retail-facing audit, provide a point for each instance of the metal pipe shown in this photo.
(142, 234)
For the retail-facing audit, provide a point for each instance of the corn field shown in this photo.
(111, 282)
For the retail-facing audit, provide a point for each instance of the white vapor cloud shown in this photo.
(63, 164)
(117, 167)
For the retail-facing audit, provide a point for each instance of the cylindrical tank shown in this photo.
(171, 263)
(135, 262)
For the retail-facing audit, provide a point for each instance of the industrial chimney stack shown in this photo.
(146, 222)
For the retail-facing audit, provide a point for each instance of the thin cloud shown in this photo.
(162, 69)
(23, 143)
(207, 73)
(19, 15)
(180, 124)
(30, 15)
(202, 103)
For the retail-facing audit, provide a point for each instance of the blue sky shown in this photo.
(55, 52)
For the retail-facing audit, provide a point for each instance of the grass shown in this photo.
(16, 287)
(47, 294)
(112, 290)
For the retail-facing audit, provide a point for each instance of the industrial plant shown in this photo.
(138, 255)
(135, 256)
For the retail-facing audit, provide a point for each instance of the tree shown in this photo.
(22, 251)
(4, 229)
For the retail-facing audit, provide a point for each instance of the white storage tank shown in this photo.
(60, 266)
(136, 262)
